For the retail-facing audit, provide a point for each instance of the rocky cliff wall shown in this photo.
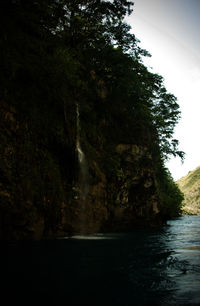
(40, 198)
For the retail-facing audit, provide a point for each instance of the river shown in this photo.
(159, 266)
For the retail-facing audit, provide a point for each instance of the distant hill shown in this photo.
(190, 186)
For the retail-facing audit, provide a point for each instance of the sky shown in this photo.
(169, 30)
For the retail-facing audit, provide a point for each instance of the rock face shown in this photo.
(41, 193)
(120, 202)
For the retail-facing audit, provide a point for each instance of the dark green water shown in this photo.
(147, 267)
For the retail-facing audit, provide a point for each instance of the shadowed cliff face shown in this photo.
(117, 202)
(38, 199)
(31, 188)
(84, 126)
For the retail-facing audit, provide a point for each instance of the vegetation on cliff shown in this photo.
(56, 55)
(190, 187)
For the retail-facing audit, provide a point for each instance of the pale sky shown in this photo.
(170, 31)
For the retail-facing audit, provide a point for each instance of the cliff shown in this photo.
(45, 193)
(190, 187)
(85, 128)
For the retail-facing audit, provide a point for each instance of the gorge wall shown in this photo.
(43, 193)
(85, 128)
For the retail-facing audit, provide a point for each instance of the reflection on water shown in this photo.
(147, 267)
(184, 241)
(93, 237)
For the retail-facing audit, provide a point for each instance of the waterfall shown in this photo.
(81, 155)
(83, 169)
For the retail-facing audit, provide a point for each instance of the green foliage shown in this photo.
(112, 165)
(171, 197)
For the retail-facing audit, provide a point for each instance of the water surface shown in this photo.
(146, 267)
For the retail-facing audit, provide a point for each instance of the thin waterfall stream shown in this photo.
(83, 168)
(81, 155)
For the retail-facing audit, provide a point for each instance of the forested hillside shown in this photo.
(190, 186)
(85, 128)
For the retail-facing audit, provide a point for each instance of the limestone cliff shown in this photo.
(39, 200)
